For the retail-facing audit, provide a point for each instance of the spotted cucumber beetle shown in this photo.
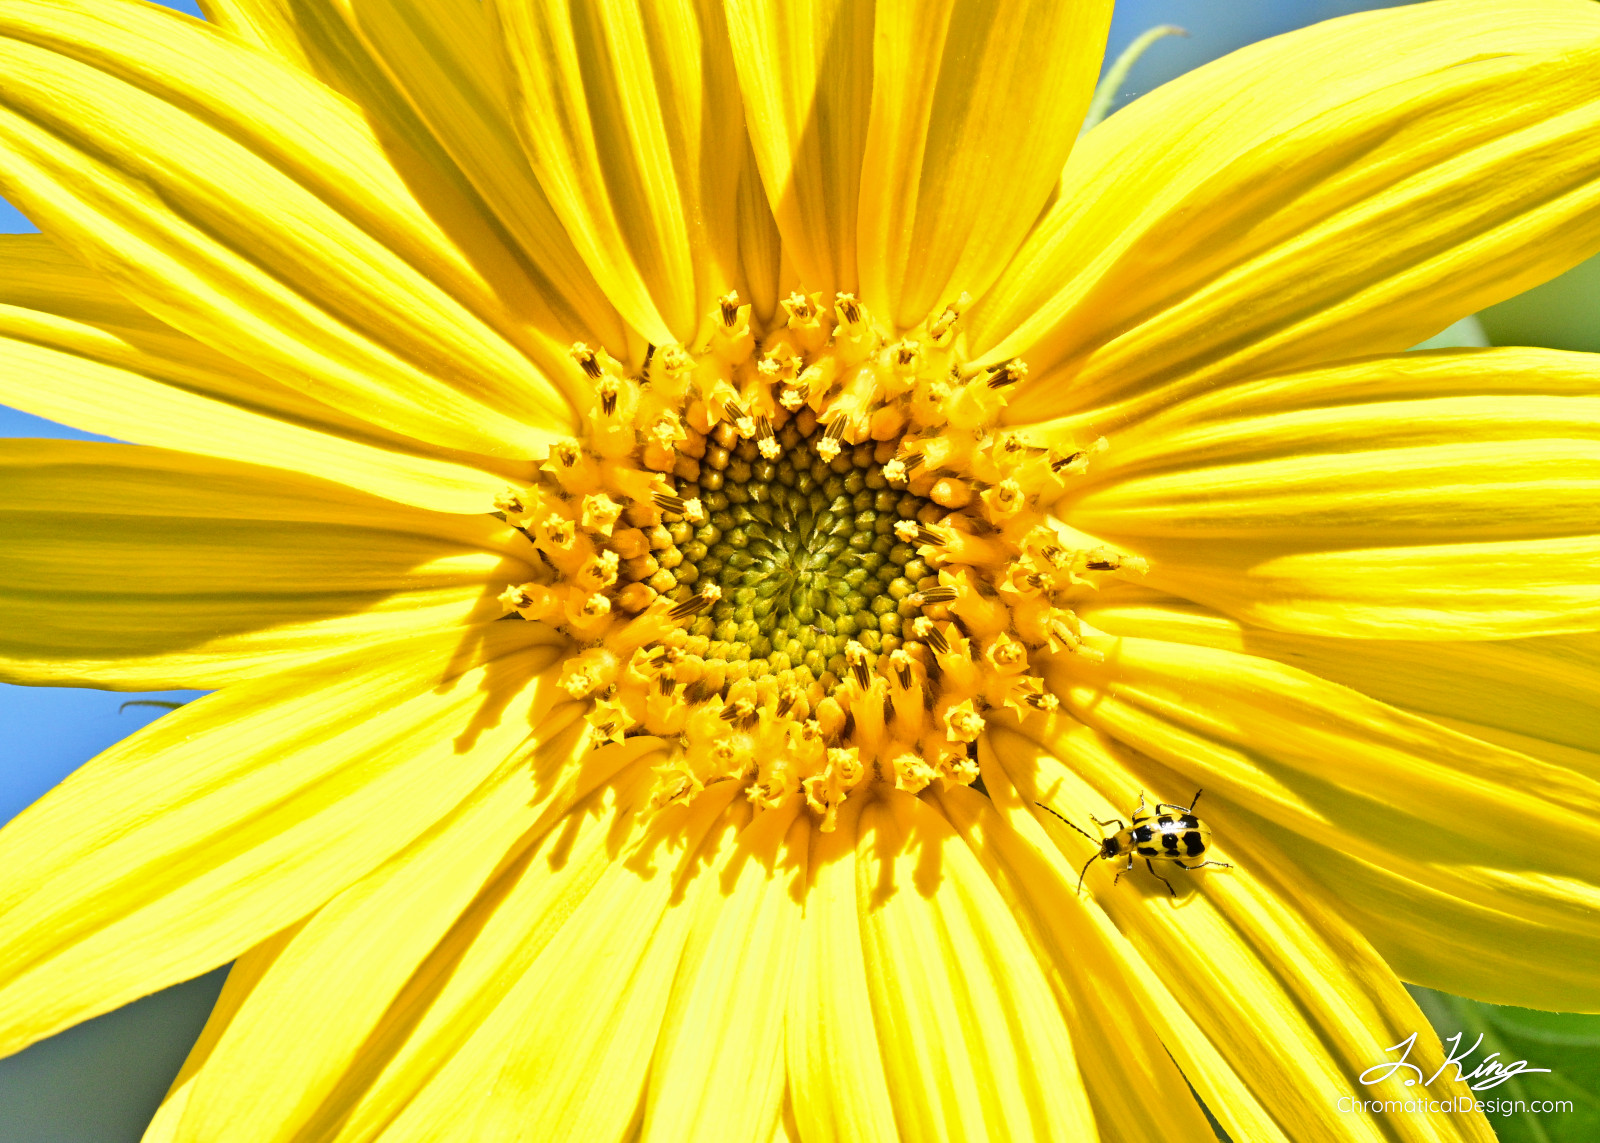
(1154, 836)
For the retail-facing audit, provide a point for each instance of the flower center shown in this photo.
(804, 550)
(807, 565)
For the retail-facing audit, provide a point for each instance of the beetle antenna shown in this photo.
(1085, 871)
(1081, 830)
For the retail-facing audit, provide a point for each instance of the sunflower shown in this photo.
(680, 507)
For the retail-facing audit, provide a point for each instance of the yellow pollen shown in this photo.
(906, 357)
(1007, 374)
(942, 327)
(586, 359)
(965, 722)
(599, 514)
(800, 309)
(600, 572)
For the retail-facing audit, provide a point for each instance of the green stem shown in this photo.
(1100, 105)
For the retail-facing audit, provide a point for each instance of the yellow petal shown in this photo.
(760, 249)
(788, 1130)
(1544, 692)
(805, 69)
(1539, 745)
(306, 1020)
(1439, 395)
(464, 979)
(223, 822)
(1286, 989)
(835, 1066)
(141, 568)
(718, 1071)
(974, 1045)
(271, 25)
(246, 204)
(1048, 886)
(1126, 1069)
(444, 63)
(546, 1026)
(1512, 942)
(74, 350)
(974, 109)
(1480, 590)
(1438, 841)
(242, 979)
(1238, 221)
(1317, 502)
(1354, 472)
(631, 119)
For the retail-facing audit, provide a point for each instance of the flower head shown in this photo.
(675, 503)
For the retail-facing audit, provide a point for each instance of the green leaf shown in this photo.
(1467, 333)
(1564, 313)
(1567, 1043)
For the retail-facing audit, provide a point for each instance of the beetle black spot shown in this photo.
(1189, 821)
(1164, 819)
(1149, 851)
(1143, 834)
(1170, 842)
(1195, 843)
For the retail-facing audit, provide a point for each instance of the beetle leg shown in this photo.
(1158, 877)
(1202, 865)
(1125, 869)
(1107, 822)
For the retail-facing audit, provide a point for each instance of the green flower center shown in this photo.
(804, 551)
